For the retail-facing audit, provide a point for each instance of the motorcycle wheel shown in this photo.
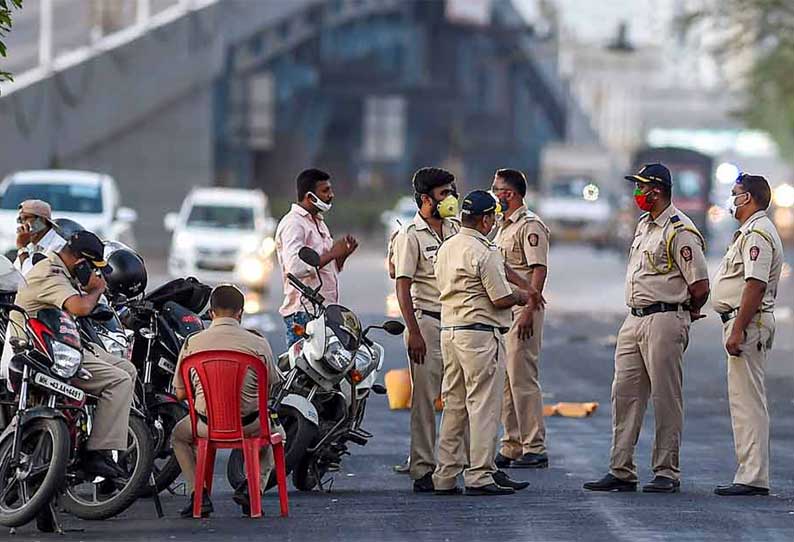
(301, 433)
(166, 468)
(103, 499)
(303, 477)
(45, 454)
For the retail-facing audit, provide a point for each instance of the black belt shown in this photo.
(657, 307)
(731, 314)
(431, 314)
(247, 419)
(479, 327)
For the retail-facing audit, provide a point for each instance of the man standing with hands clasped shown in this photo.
(666, 286)
(524, 241)
(745, 288)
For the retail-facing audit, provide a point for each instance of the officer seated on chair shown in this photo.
(225, 333)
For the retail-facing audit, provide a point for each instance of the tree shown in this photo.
(5, 26)
(760, 33)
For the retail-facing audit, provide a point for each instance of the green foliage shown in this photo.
(761, 32)
(6, 6)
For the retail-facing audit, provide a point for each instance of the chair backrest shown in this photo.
(222, 374)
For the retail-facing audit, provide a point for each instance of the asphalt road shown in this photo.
(369, 502)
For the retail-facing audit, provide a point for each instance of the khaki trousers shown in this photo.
(747, 400)
(522, 408)
(425, 388)
(474, 369)
(185, 452)
(649, 363)
(113, 381)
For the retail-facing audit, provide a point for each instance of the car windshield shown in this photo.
(223, 217)
(64, 198)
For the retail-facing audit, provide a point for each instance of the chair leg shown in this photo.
(211, 468)
(201, 472)
(251, 456)
(281, 477)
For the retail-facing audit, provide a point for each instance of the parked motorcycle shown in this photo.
(41, 451)
(326, 378)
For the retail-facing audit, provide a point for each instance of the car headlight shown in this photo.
(252, 270)
(268, 246)
(66, 360)
(337, 358)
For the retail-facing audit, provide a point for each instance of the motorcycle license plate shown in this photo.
(56, 385)
(167, 366)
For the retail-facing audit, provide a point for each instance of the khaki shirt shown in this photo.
(414, 251)
(524, 241)
(49, 285)
(471, 275)
(228, 334)
(651, 276)
(751, 255)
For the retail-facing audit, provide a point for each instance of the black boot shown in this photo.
(502, 462)
(490, 490)
(206, 507)
(424, 484)
(741, 490)
(503, 480)
(611, 483)
(531, 461)
(662, 484)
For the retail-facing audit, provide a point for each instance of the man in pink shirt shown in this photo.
(304, 226)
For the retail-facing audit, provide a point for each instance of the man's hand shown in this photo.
(351, 244)
(417, 350)
(96, 284)
(535, 299)
(23, 235)
(524, 324)
(734, 343)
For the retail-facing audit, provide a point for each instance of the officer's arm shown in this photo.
(82, 304)
(698, 294)
(405, 250)
(752, 295)
(689, 256)
(513, 277)
(518, 297)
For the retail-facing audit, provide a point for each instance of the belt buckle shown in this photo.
(640, 312)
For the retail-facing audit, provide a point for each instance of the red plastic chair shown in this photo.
(221, 373)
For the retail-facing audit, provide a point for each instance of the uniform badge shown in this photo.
(754, 253)
(686, 253)
(533, 239)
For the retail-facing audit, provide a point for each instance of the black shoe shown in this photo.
(502, 462)
(241, 498)
(662, 484)
(206, 507)
(97, 463)
(405, 468)
(448, 492)
(531, 461)
(490, 490)
(503, 480)
(424, 484)
(611, 483)
(741, 490)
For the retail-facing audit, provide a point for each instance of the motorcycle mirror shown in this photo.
(309, 257)
(393, 327)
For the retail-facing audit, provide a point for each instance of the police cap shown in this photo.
(480, 202)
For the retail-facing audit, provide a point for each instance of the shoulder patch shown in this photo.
(533, 239)
(686, 253)
(755, 251)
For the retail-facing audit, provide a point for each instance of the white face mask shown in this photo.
(732, 206)
(322, 206)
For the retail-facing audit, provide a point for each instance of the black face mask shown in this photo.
(82, 272)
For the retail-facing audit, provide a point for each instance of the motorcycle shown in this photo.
(327, 378)
(41, 450)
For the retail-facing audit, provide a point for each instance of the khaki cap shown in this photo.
(36, 207)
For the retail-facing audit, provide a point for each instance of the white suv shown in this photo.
(91, 199)
(223, 235)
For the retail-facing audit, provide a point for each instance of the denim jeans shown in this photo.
(300, 318)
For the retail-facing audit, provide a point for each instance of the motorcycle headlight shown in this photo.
(365, 363)
(66, 360)
(337, 358)
(115, 344)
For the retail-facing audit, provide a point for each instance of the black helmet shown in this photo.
(67, 227)
(127, 276)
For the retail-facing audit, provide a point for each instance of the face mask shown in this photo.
(642, 200)
(446, 208)
(322, 206)
(82, 272)
(732, 206)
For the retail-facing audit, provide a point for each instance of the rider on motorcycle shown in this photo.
(68, 280)
(36, 233)
(225, 333)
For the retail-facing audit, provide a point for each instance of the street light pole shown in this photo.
(144, 12)
(45, 35)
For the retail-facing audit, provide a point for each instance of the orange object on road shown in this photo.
(398, 388)
(575, 410)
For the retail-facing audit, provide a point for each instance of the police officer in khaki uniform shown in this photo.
(745, 288)
(666, 285)
(414, 251)
(225, 333)
(524, 241)
(68, 280)
(475, 312)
